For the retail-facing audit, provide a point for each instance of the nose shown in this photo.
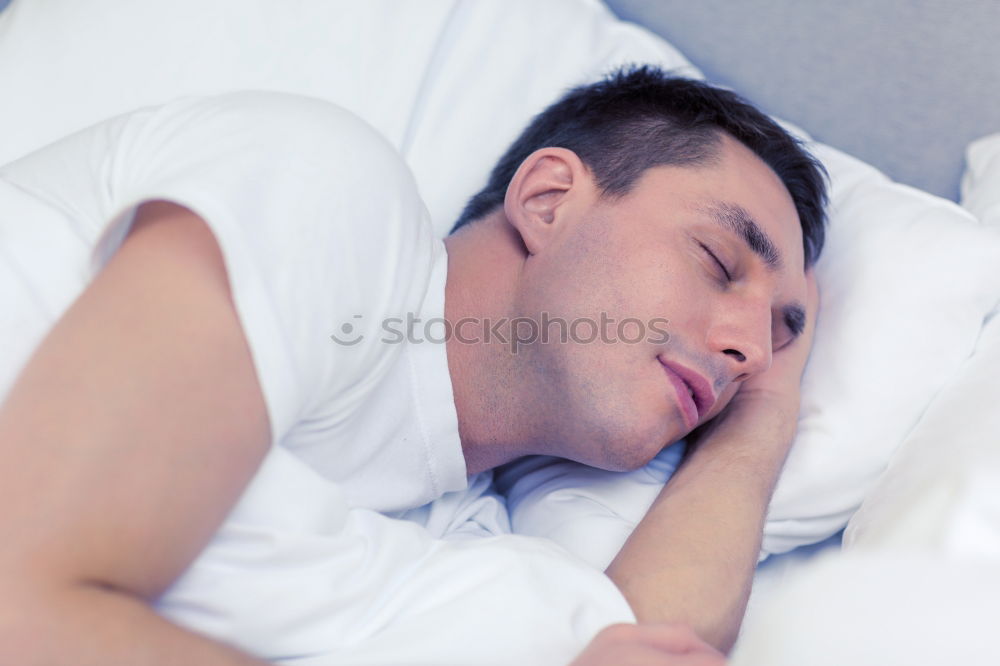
(741, 333)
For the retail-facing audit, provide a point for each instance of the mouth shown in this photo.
(694, 392)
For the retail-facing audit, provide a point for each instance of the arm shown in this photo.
(124, 443)
(692, 558)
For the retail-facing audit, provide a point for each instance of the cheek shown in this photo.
(572, 281)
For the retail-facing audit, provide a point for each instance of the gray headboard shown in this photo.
(902, 84)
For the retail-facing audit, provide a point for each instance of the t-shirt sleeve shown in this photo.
(318, 220)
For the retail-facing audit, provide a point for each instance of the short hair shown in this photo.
(641, 117)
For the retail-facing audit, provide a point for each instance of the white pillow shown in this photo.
(417, 71)
(940, 490)
(907, 279)
(65, 65)
(450, 84)
(981, 181)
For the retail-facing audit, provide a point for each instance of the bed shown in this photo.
(903, 87)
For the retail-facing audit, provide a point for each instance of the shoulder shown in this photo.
(313, 160)
(284, 126)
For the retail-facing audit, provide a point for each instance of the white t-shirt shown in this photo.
(321, 228)
(320, 225)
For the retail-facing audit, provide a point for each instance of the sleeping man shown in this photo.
(198, 304)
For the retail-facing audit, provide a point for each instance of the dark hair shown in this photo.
(641, 117)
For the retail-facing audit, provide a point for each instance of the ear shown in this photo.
(540, 195)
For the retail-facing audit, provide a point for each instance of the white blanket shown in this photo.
(296, 573)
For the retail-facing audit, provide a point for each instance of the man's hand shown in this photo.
(692, 557)
(648, 645)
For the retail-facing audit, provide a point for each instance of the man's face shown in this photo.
(716, 251)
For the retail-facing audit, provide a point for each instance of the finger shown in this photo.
(674, 637)
(638, 654)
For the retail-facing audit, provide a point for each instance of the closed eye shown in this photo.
(722, 267)
(792, 321)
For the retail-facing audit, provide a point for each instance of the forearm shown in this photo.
(692, 558)
(88, 625)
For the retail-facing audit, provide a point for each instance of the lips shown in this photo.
(694, 392)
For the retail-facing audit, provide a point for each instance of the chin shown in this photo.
(618, 429)
(635, 449)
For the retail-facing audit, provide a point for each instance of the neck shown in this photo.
(484, 263)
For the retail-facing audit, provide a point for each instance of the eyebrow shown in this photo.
(736, 219)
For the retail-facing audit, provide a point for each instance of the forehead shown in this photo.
(737, 191)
